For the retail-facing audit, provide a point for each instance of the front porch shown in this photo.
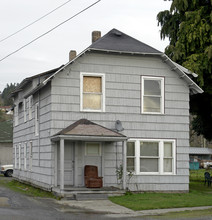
(85, 143)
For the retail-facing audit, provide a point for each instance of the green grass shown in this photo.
(25, 189)
(199, 195)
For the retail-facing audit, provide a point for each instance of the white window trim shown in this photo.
(24, 110)
(30, 107)
(15, 156)
(162, 94)
(30, 156)
(161, 156)
(100, 149)
(19, 156)
(16, 115)
(36, 119)
(25, 155)
(102, 75)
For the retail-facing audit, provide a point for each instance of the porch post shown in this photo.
(61, 164)
(124, 150)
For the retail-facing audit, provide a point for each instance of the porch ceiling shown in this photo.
(86, 130)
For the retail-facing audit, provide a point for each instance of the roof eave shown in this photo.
(123, 52)
(88, 138)
(194, 88)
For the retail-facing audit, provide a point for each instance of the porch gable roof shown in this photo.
(84, 129)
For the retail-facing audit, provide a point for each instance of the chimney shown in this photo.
(95, 35)
(72, 54)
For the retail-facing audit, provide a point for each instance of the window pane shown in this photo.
(149, 149)
(167, 149)
(92, 84)
(130, 149)
(148, 165)
(91, 101)
(92, 149)
(167, 165)
(151, 104)
(130, 164)
(152, 87)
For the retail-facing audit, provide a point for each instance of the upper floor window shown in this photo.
(92, 88)
(16, 115)
(25, 110)
(30, 107)
(152, 95)
(149, 156)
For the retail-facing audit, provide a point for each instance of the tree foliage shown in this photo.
(188, 25)
(6, 94)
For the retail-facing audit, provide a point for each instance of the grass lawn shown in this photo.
(24, 188)
(199, 195)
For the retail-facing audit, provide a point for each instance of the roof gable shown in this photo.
(116, 40)
(84, 127)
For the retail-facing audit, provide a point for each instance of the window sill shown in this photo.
(87, 110)
(152, 113)
(155, 174)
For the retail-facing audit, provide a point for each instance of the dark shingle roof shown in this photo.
(116, 40)
(6, 131)
(84, 127)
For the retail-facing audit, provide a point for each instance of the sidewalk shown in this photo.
(111, 209)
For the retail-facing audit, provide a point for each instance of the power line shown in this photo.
(34, 21)
(50, 30)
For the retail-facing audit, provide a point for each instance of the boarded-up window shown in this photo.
(92, 93)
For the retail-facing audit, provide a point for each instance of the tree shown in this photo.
(188, 25)
(6, 92)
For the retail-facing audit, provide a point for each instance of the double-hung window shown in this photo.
(152, 95)
(147, 156)
(92, 91)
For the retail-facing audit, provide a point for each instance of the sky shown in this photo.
(136, 18)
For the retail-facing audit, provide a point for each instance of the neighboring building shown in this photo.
(74, 116)
(6, 146)
(200, 153)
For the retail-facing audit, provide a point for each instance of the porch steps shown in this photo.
(89, 194)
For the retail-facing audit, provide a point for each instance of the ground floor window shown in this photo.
(151, 156)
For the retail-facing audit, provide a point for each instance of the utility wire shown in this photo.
(50, 30)
(34, 21)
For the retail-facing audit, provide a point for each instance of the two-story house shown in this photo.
(119, 102)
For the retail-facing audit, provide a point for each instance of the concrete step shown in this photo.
(90, 196)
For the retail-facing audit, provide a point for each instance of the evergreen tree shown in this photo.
(6, 94)
(188, 25)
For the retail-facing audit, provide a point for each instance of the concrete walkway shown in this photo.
(111, 209)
